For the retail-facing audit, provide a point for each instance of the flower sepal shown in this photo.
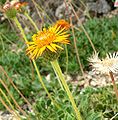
(51, 56)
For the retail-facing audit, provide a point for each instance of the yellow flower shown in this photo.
(106, 65)
(50, 39)
(63, 24)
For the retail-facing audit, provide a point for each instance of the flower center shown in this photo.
(109, 62)
(44, 38)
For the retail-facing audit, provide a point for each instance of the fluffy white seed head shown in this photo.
(106, 65)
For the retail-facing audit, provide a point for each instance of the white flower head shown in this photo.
(13, 2)
(106, 65)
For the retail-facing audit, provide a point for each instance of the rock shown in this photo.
(63, 10)
(94, 80)
(100, 6)
(79, 77)
(6, 116)
(112, 13)
(68, 77)
(14, 48)
(93, 83)
(81, 83)
(48, 77)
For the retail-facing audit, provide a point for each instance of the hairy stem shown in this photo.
(57, 77)
(66, 60)
(60, 75)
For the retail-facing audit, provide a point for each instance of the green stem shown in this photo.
(60, 75)
(2, 43)
(57, 77)
(40, 78)
(7, 99)
(66, 60)
(33, 23)
(20, 28)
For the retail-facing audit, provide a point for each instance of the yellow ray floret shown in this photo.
(49, 39)
(63, 24)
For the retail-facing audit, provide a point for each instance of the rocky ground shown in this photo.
(59, 10)
(91, 79)
(6, 116)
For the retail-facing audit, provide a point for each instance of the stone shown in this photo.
(100, 6)
(62, 10)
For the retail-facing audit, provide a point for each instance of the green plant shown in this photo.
(98, 103)
(93, 103)
(103, 33)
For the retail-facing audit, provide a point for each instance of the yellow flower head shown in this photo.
(106, 65)
(47, 40)
(63, 24)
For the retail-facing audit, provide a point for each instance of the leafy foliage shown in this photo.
(103, 33)
(93, 103)
(98, 103)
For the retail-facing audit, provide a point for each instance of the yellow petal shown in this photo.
(29, 51)
(65, 42)
(64, 33)
(42, 49)
(30, 43)
(38, 54)
(50, 48)
(53, 45)
(34, 53)
(58, 46)
(57, 29)
(31, 47)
